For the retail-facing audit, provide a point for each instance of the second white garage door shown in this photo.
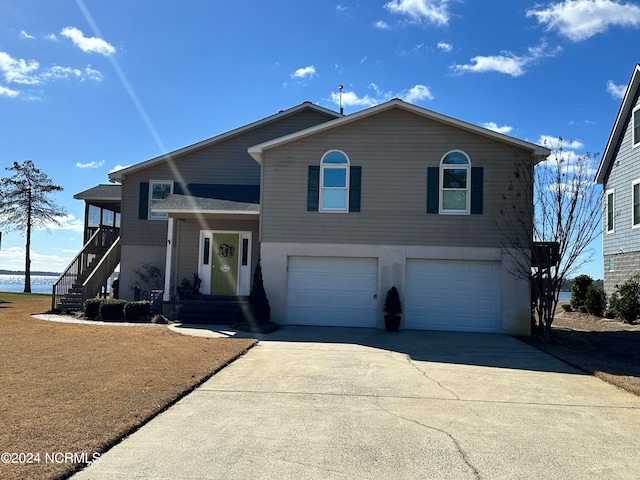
(453, 295)
(332, 291)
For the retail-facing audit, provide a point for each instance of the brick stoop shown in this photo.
(208, 310)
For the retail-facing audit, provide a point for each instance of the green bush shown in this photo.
(567, 307)
(258, 301)
(112, 309)
(160, 319)
(92, 308)
(134, 311)
(625, 302)
(579, 287)
(595, 301)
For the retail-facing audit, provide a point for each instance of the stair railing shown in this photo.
(101, 272)
(79, 266)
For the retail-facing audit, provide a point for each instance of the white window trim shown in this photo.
(154, 215)
(633, 184)
(323, 167)
(635, 142)
(442, 211)
(606, 211)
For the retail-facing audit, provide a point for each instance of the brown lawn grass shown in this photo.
(79, 389)
(602, 347)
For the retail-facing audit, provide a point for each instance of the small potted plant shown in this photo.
(185, 289)
(392, 310)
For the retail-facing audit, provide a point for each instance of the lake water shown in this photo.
(15, 283)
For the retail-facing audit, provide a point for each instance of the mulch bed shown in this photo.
(69, 392)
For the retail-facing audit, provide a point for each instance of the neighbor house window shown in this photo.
(158, 190)
(636, 126)
(455, 183)
(612, 265)
(635, 207)
(334, 182)
(610, 211)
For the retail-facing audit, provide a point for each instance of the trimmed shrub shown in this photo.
(92, 308)
(625, 302)
(567, 307)
(579, 287)
(112, 309)
(134, 311)
(258, 301)
(595, 301)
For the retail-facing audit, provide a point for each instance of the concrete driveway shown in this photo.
(339, 403)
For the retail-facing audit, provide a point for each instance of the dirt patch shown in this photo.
(602, 347)
(79, 389)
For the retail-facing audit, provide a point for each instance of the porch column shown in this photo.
(166, 296)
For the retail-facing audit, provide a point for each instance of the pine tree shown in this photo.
(25, 203)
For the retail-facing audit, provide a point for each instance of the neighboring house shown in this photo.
(619, 174)
(339, 208)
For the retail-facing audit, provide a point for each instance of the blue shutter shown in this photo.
(313, 188)
(432, 189)
(476, 190)
(143, 205)
(355, 183)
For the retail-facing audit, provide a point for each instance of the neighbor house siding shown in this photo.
(394, 149)
(623, 244)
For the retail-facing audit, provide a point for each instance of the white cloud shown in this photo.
(24, 34)
(18, 70)
(67, 222)
(341, 8)
(555, 143)
(582, 19)
(118, 167)
(12, 258)
(416, 93)
(494, 126)
(88, 44)
(382, 25)
(7, 92)
(430, 11)
(305, 72)
(52, 36)
(352, 99)
(445, 47)
(508, 62)
(93, 164)
(617, 91)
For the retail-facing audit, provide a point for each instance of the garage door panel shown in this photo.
(453, 295)
(332, 291)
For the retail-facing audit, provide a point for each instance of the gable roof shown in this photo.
(119, 175)
(619, 127)
(102, 192)
(537, 151)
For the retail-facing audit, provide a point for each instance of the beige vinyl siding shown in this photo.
(189, 239)
(394, 149)
(225, 162)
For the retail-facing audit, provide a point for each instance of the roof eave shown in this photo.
(618, 126)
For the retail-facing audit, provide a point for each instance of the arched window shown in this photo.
(334, 182)
(455, 183)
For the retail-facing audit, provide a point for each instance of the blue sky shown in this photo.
(87, 86)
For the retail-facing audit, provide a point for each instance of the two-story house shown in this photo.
(339, 209)
(619, 174)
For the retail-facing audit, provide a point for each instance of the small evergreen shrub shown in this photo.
(92, 308)
(134, 311)
(579, 287)
(595, 301)
(625, 302)
(258, 301)
(567, 307)
(112, 310)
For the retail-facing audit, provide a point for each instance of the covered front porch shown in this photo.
(212, 250)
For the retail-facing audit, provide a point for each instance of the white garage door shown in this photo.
(453, 295)
(332, 291)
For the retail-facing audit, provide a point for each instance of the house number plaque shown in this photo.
(225, 268)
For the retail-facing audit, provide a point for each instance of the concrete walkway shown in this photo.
(338, 403)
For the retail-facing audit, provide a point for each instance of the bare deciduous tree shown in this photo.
(566, 205)
(25, 204)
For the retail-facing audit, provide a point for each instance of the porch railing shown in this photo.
(81, 266)
(99, 275)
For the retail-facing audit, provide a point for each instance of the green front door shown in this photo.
(224, 264)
